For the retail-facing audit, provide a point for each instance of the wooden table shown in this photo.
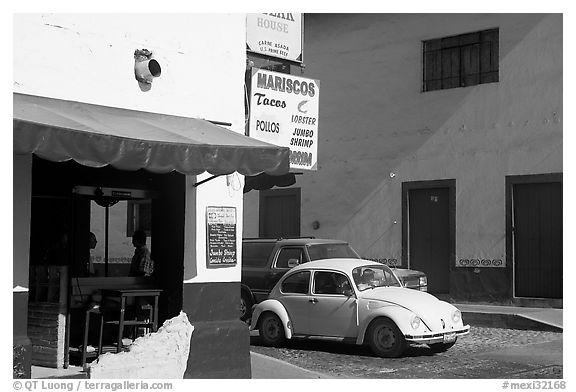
(123, 295)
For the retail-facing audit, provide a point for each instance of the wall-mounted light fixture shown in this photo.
(145, 68)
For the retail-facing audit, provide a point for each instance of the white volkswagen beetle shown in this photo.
(359, 301)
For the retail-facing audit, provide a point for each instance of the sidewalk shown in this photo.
(265, 367)
(515, 317)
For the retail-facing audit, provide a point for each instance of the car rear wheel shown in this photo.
(441, 347)
(271, 330)
(245, 306)
(385, 339)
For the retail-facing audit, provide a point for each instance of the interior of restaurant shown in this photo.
(83, 220)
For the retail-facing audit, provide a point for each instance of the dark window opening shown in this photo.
(461, 61)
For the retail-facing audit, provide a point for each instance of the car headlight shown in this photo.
(423, 281)
(415, 322)
(456, 316)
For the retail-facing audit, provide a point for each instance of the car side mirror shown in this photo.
(348, 292)
(293, 263)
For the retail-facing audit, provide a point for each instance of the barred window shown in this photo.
(461, 60)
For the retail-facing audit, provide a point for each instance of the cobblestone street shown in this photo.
(483, 354)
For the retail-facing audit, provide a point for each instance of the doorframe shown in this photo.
(510, 182)
(278, 192)
(414, 185)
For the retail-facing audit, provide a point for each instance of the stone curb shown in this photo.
(505, 320)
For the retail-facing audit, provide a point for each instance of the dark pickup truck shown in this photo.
(265, 261)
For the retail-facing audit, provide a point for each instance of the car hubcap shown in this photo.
(385, 337)
(272, 328)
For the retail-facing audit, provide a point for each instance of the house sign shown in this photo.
(275, 35)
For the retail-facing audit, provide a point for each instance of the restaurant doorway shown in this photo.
(69, 202)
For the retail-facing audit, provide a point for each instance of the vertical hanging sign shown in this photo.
(221, 237)
(284, 111)
(275, 35)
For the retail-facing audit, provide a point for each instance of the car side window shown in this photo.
(255, 254)
(296, 283)
(287, 254)
(326, 282)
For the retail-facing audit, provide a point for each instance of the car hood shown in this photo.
(403, 272)
(429, 308)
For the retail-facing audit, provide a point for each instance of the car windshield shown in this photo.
(331, 251)
(372, 276)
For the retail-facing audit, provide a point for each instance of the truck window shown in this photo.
(286, 254)
(255, 254)
(331, 251)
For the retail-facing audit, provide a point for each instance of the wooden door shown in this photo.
(429, 236)
(537, 235)
(280, 213)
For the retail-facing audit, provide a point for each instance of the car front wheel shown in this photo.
(441, 347)
(385, 339)
(271, 330)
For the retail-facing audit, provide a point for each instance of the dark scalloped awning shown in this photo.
(96, 136)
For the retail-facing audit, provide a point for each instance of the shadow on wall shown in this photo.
(370, 67)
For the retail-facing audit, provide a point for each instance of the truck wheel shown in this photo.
(245, 306)
(385, 339)
(271, 330)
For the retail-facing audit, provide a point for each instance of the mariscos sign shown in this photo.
(276, 35)
(284, 111)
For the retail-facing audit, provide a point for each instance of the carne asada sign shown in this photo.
(275, 35)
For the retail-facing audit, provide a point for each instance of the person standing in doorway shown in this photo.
(142, 264)
(92, 241)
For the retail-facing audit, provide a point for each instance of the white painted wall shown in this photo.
(90, 58)
(221, 191)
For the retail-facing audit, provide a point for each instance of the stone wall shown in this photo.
(163, 354)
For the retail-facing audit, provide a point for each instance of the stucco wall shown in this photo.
(90, 58)
(374, 121)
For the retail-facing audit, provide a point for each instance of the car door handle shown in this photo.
(313, 300)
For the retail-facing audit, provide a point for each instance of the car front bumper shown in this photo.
(442, 337)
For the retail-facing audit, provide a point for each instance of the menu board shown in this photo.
(221, 237)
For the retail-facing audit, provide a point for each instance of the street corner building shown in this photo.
(121, 128)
